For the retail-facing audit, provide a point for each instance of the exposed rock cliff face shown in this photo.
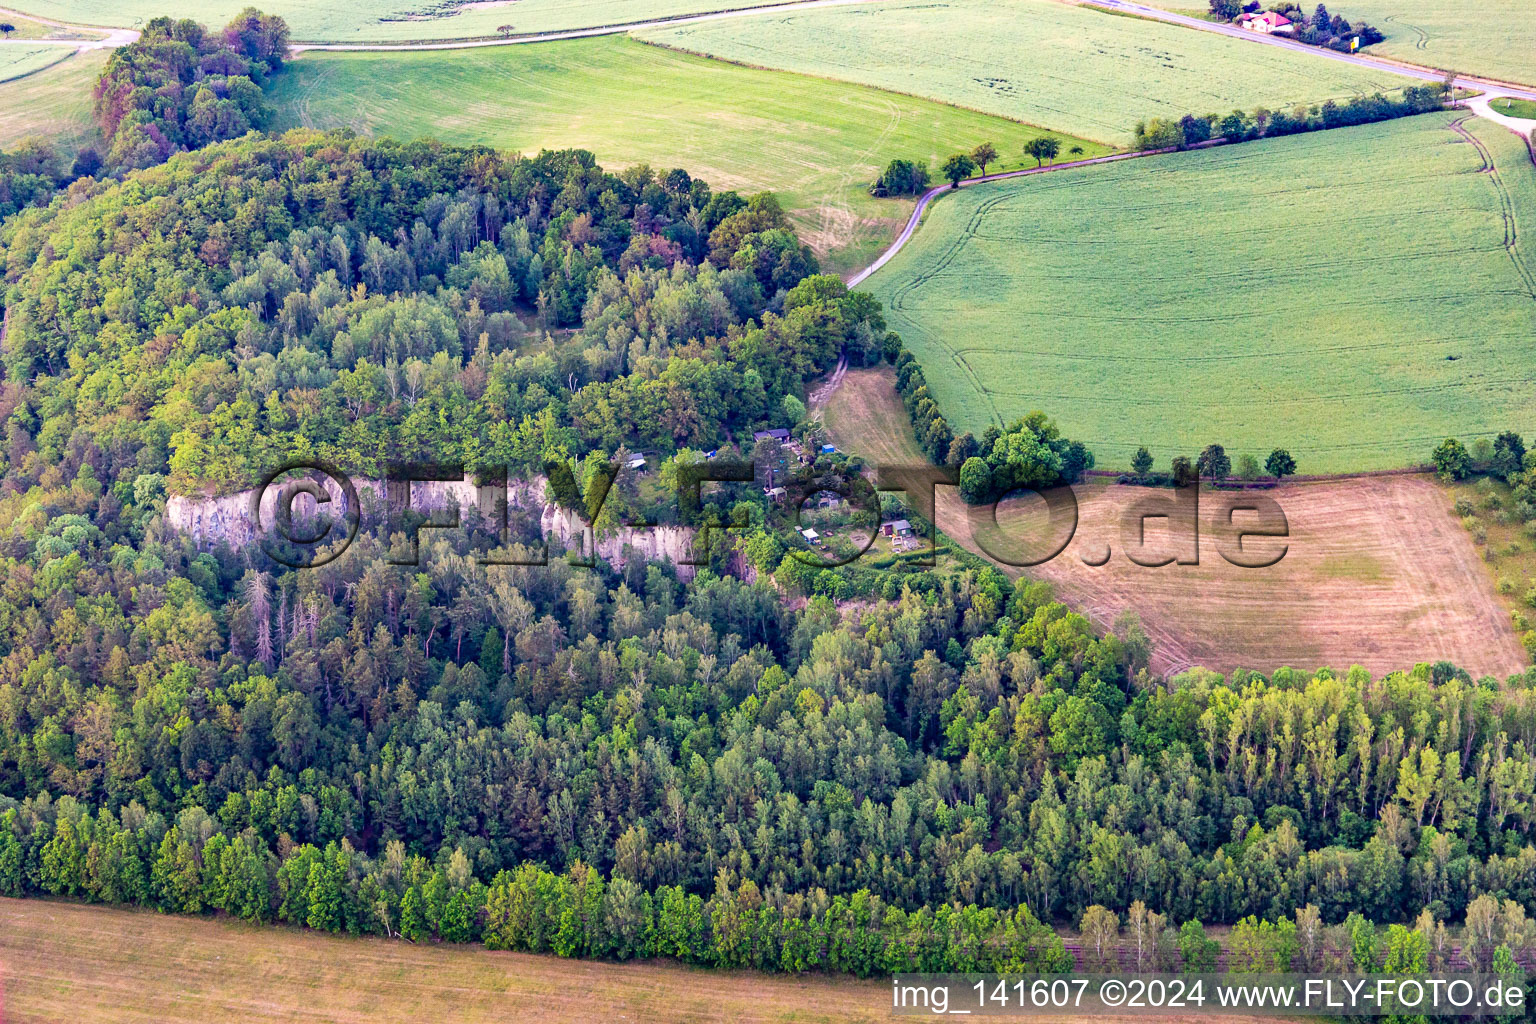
(651, 544)
(230, 517)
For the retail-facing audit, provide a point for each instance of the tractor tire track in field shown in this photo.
(966, 234)
(1506, 206)
(834, 207)
(818, 398)
(1422, 42)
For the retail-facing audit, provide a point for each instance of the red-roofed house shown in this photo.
(1266, 22)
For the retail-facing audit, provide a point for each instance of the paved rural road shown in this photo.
(1520, 125)
(1486, 85)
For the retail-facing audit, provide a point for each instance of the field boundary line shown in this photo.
(865, 85)
(1300, 478)
(68, 53)
(612, 28)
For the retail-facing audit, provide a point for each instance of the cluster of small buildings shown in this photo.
(793, 448)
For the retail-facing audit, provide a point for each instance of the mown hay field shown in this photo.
(1353, 296)
(816, 143)
(53, 104)
(20, 59)
(387, 20)
(1377, 571)
(1075, 69)
(62, 962)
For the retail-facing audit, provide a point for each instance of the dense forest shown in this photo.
(359, 301)
(767, 764)
(180, 86)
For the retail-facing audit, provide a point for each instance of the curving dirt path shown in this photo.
(111, 38)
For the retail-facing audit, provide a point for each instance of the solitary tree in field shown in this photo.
(1214, 463)
(1141, 462)
(1042, 149)
(984, 154)
(958, 166)
(504, 30)
(7, 28)
(1280, 464)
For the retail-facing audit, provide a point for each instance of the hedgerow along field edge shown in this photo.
(1353, 296)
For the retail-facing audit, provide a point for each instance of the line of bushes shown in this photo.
(195, 867)
(1262, 123)
(192, 867)
(929, 425)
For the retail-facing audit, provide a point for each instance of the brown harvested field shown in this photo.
(1377, 571)
(66, 962)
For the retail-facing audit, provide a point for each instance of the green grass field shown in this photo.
(1072, 68)
(19, 60)
(54, 104)
(1349, 295)
(815, 142)
(387, 20)
(1514, 108)
(1495, 38)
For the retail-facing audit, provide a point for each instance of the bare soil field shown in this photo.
(67, 962)
(1376, 571)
